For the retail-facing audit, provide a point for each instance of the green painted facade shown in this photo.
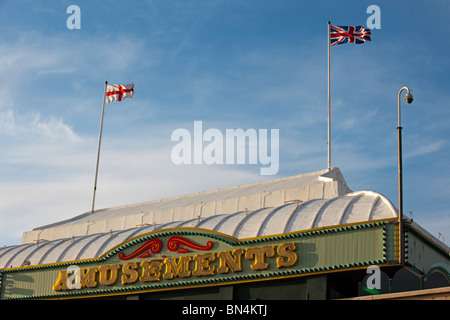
(202, 264)
(425, 255)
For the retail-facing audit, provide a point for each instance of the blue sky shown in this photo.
(230, 64)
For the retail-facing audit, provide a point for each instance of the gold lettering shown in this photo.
(87, 278)
(284, 255)
(227, 262)
(174, 269)
(287, 256)
(130, 275)
(258, 254)
(151, 270)
(202, 264)
(103, 271)
(61, 282)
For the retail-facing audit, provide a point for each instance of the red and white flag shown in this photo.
(117, 92)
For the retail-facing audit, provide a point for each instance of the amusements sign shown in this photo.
(182, 258)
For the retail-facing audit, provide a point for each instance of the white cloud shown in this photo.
(7, 122)
(33, 56)
(64, 70)
(424, 149)
(34, 127)
(53, 129)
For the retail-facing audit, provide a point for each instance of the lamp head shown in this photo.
(409, 97)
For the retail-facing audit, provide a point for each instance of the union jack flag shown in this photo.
(351, 34)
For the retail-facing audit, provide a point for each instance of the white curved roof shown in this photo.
(354, 207)
(324, 184)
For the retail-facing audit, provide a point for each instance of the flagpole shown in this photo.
(98, 149)
(329, 104)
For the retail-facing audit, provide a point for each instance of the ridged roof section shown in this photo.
(324, 184)
(294, 216)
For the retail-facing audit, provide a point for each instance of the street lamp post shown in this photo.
(408, 99)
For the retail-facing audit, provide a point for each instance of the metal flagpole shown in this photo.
(98, 149)
(329, 108)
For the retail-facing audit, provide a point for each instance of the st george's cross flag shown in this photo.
(117, 92)
(349, 34)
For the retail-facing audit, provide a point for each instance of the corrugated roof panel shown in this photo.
(358, 209)
(305, 217)
(91, 248)
(120, 236)
(212, 222)
(76, 249)
(381, 209)
(247, 227)
(230, 223)
(54, 250)
(276, 221)
(41, 250)
(174, 224)
(17, 255)
(5, 254)
(335, 211)
(189, 224)
(59, 252)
